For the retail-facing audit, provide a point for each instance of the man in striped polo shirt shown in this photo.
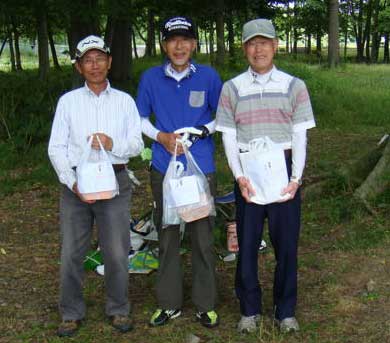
(261, 102)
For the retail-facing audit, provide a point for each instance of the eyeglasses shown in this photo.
(259, 44)
(91, 61)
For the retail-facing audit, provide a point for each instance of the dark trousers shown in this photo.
(283, 225)
(170, 275)
(76, 220)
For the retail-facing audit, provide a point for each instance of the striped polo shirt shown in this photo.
(251, 107)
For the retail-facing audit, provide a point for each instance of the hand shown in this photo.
(291, 188)
(75, 189)
(168, 140)
(104, 139)
(247, 191)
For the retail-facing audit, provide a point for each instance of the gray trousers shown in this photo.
(170, 274)
(76, 220)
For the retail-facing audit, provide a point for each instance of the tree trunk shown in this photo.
(134, 43)
(150, 47)
(376, 37)
(220, 29)
(3, 45)
(230, 29)
(287, 41)
(43, 40)
(333, 37)
(308, 48)
(345, 44)
(367, 31)
(120, 51)
(386, 52)
(295, 29)
(15, 30)
(206, 42)
(53, 51)
(318, 45)
(211, 42)
(359, 34)
(377, 181)
(11, 49)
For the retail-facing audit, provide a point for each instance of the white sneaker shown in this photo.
(248, 324)
(289, 325)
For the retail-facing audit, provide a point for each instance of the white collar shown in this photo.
(106, 90)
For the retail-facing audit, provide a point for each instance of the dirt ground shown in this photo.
(344, 295)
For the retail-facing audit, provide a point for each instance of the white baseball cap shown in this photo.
(90, 43)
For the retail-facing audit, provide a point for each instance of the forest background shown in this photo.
(339, 48)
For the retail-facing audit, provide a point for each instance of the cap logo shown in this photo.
(178, 24)
(89, 42)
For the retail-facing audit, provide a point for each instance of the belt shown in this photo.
(117, 167)
(287, 152)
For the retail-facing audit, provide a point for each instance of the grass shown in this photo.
(342, 247)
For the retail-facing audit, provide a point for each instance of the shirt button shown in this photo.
(178, 86)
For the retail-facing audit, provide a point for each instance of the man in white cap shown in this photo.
(95, 109)
(265, 102)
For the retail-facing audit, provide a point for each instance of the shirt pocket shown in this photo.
(197, 98)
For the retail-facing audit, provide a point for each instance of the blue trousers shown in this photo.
(283, 225)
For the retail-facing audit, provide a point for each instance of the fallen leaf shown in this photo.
(2, 250)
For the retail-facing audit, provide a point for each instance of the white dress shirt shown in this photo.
(81, 113)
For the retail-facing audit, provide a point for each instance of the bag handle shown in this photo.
(102, 148)
(261, 144)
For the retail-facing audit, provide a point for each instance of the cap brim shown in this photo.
(184, 33)
(106, 51)
(258, 34)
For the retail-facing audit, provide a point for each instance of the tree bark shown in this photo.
(3, 45)
(211, 42)
(367, 31)
(150, 49)
(230, 29)
(220, 29)
(308, 48)
(18, 61)
(11, 49)
(43, 39)
(359, 33)
(376, 37)
(120, 51)
(134, 43)
(53, 51)
(333, 36)
(377, 181)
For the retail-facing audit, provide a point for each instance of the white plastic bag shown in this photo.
(95, 175)
(265, 167)
(186, 193)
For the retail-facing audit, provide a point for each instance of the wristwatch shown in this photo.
(296, 180)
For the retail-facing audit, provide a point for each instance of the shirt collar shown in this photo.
(273, 75)
(105, 91)
(191, 70)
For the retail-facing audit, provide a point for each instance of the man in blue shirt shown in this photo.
(181, 94)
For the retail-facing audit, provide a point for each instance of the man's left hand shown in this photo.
(104, 139)
(291, 188)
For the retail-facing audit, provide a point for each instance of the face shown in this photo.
(179, 50)
(94, 66)
(260, 52)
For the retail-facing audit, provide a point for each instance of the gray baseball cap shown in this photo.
(258, 27)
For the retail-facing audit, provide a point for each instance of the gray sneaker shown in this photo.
(289, 325)
(248, 324)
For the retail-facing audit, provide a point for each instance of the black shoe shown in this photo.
(161, 317)
(121, 323)
(208, 319)
(68, 328)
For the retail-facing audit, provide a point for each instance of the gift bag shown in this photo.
(265, 167)
(186, 193)
(95, 175)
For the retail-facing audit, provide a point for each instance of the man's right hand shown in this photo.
(168, 140)
(247, 191)
(75, 190)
